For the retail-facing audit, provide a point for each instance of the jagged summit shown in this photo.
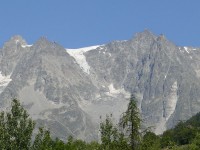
(18, 39)
(145, 34)
(15, 41)
(42, 42)
(148, 35)
(46, 47)
(68, 90)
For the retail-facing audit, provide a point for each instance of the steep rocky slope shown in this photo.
(68, 90)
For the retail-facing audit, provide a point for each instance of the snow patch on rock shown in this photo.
(79, 56)
(113, 91)
(24, 46)
(186, 49)
(4, 81)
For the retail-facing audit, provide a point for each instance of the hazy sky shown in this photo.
(79, 23)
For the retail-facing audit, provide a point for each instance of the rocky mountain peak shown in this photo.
(146, 34)
(11, 53)
(15, 40)
(42, 42)
(59, 93)
(43, 45)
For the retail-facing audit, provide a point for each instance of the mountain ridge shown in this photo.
(69, 90)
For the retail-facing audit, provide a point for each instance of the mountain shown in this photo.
(68, 90)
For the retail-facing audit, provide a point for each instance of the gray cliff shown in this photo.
(68, 90)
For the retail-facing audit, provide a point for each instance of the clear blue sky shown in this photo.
(79, 23)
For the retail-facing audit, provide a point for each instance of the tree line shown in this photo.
(16, 133)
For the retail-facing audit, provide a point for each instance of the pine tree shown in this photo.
(108, 133)
(43, 140)
(111, 138)
(130, 123)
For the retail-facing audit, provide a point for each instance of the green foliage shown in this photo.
(111, 138)
(58, 144)
(131, 122)
(195, 144)
(93, 146)
(150, 142)
(167, 139)
(80, 145)
(70, 144)
(43, 140)
(108, 133)
(183, 133)
(194, 121)
(15, 128)
(75, 144)
(122, 142)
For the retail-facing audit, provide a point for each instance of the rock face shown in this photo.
(68, 90)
